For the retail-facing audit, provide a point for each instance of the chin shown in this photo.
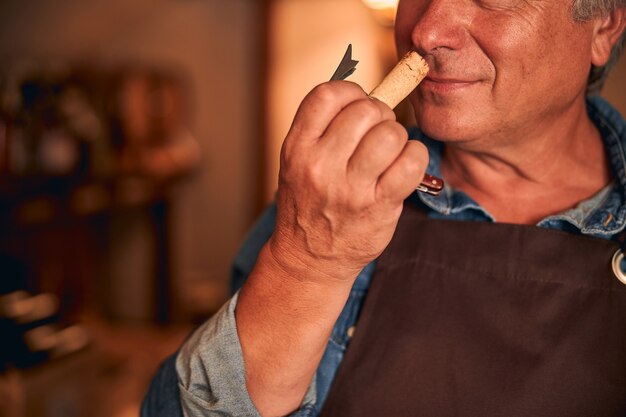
(455, 121)
(446, 126)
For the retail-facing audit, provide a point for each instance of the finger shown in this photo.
(404, 174)
(378, 149)
(320, 107)
(352, 123)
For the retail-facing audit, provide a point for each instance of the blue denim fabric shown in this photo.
(602, 216)
(163, 397)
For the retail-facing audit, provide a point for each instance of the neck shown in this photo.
(524, 178)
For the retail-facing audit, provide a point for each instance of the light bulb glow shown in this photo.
(381, 4)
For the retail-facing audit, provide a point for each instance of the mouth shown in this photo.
(442, 85)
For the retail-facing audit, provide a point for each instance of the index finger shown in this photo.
(321, 106)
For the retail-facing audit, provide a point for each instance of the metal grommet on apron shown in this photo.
(617, 268)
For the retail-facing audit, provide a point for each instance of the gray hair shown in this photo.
(584, 10)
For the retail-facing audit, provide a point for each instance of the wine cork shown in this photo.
(402, 79)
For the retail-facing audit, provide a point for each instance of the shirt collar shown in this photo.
(603, 215)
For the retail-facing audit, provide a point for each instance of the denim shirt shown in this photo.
(210, 368)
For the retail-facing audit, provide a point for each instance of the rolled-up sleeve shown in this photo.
(210, 369)
(211, 372)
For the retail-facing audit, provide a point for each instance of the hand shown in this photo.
(346, 168)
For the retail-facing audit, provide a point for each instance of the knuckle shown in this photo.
(419, 157)
(412, 166)
(420, 149)
(286, 163)
(290, 156)
(286, 151)
(386, 111)
(326, 92)
(366, 109)
(421, 152)
(392, 135)
(315, 175)
(331, 91)
(293, 160)
(353, 205)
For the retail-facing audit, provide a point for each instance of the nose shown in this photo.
(440, 24)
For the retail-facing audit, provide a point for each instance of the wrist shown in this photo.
(297, 265)
(284, 320)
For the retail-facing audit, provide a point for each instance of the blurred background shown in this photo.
(139, 141)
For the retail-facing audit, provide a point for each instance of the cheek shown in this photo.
(537, 59)
(517, 56)
(512, 50)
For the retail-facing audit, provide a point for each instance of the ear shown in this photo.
(606, 32)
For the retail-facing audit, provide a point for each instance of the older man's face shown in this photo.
(498, 67)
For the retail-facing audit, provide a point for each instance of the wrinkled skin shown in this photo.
(506, 95)
(346, 167)
(520, 65)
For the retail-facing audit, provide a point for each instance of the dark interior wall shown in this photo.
(216, 45)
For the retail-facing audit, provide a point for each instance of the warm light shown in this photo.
(381, 4)
(384, 10)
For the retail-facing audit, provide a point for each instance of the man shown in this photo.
(499, 314)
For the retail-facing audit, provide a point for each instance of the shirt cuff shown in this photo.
(211, 371)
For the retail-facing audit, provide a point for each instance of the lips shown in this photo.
(445, 84)
(447, 80)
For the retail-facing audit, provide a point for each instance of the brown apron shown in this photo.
(487, 320)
